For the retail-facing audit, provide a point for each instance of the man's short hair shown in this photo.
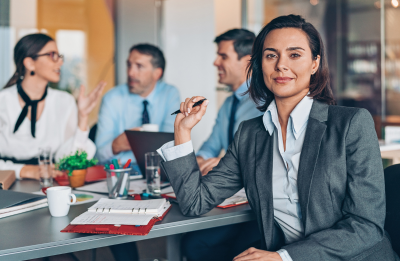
(157, 60)
(242, 40)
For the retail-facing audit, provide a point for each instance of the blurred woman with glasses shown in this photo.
(34, 116)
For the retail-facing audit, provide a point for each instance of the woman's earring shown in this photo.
(32, 73)
(313, 72)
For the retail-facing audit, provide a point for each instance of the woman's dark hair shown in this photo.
(319, 83)
(28, 46)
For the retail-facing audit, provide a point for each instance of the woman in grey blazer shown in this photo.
(311, 170)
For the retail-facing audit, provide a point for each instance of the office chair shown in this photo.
(392, 222)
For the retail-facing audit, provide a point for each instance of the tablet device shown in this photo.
(142, 142)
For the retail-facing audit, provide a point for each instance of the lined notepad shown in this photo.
(122, 212)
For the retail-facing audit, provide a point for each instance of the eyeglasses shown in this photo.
(53, 55)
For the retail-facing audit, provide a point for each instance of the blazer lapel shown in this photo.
(309, 154)
(264, 150)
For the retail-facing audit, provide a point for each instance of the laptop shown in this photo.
(142, 142)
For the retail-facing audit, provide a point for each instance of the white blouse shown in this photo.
(56, 128)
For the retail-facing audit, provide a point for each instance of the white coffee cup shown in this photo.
(59, 200)
(150, 127)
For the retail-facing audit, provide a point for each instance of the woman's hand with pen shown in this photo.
(188, 118)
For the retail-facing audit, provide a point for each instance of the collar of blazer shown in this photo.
(264, 154)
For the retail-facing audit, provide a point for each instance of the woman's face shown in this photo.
(287, 63)
(44, 66)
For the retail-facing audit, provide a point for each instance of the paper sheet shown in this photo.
(92, 218)
(127, 206)
(82, 197)
(135, 187)
(166, 190)
(239, 197)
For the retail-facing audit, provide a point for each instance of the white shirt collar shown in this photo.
(299, 116)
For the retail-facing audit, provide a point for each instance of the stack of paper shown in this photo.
(12, 203)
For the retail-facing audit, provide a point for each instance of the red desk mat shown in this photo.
(111, 229)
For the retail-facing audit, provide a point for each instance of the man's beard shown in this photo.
(136, 90)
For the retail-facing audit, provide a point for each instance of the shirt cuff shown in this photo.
(81, 138)
(284, 255)
(170, 152)
(105, 153)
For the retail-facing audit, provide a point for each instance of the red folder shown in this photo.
(112, 229)
(226, 206)
(233, 205)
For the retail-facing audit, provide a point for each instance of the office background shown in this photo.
(362, 44)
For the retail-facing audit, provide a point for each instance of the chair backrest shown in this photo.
(392, 222)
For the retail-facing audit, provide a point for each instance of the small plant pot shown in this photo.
(78, 178)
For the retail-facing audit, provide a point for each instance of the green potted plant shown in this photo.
(75, 165)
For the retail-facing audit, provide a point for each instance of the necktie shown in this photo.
(24, 112)
(145, 114)
(232, 119)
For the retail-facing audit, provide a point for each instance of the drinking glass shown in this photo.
(153, 161)
(45, 167)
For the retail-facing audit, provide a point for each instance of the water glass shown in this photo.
(45, 167)
(153, 161)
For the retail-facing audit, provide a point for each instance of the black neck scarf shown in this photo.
(24, 112)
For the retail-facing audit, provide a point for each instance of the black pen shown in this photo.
(194, 105)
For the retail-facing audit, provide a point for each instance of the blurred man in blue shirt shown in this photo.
(234, 50)
(226, 242)
(143, 99)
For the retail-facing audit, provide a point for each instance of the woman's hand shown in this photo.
(30, 172)
(207, 165)
(257, 254)
(33, 172)
(87, 103)
(55, 172)
(188, 118)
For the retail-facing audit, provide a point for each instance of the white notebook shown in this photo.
(122, 212)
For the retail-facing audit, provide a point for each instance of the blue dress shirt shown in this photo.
(218, 139)
(122, 110)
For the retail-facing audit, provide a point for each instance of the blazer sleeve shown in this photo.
(198, 194)
(363, 208)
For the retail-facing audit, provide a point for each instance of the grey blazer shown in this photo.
(340, 185)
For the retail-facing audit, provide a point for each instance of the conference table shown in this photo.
(37, 234)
